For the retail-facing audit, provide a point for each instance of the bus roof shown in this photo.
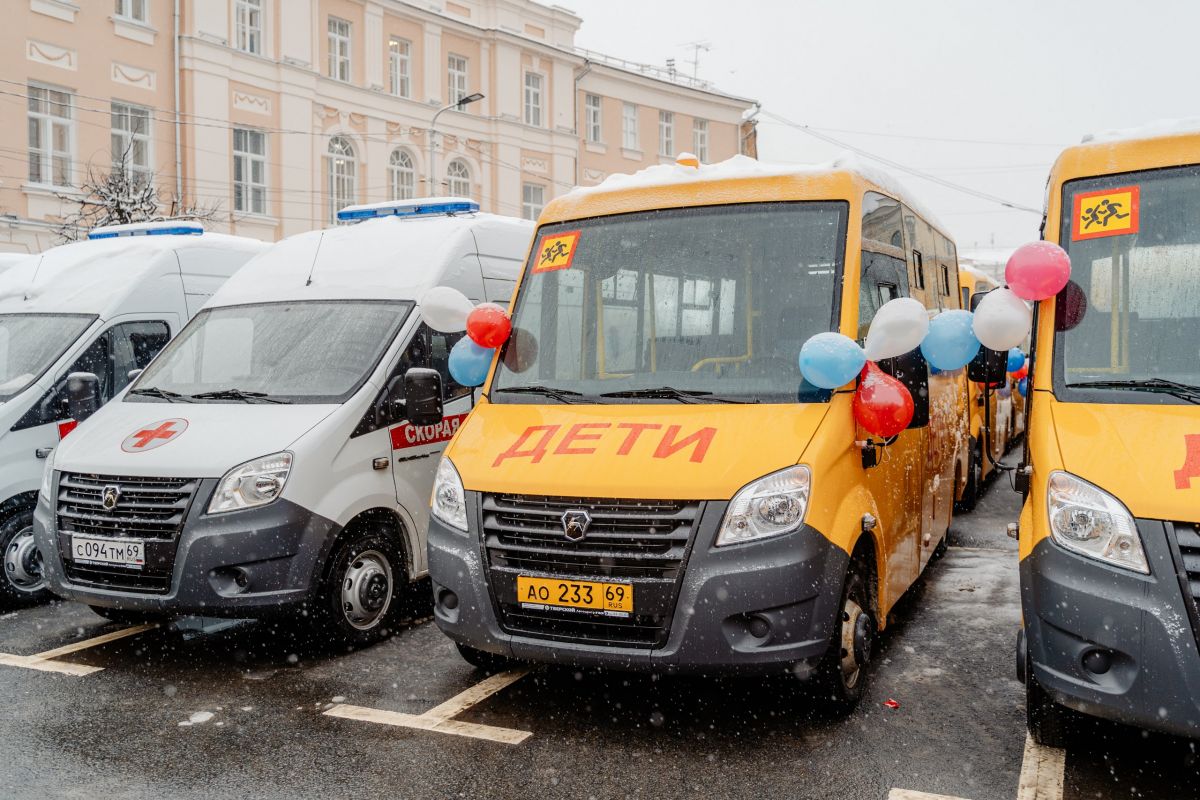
(1164, 144)
(739, 179)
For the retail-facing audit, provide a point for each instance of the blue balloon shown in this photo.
(950, 343)
(830, 360)
(1023, 387)
(1015, 359)
(469, 363)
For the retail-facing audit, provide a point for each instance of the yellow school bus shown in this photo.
(1110, 530)
(649, 484)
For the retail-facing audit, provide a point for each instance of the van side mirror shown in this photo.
(83, 395)
(423, 396)
(988, 366)
(132, 374)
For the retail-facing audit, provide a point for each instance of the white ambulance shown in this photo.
(100, 308)
(267, 462)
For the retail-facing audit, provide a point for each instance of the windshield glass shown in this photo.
(714, 302)
(306, 352)
(30, 343)
(1135, 257)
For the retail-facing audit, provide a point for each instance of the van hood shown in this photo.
(1148, 456)
(675, 451)
(193, 440)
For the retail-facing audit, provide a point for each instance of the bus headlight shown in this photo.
(449, 500)
(770, 506)
(1088, 520)
(252, 484)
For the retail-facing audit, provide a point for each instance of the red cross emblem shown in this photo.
(154, 435)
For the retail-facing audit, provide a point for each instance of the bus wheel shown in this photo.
(841, 677)
(23, 583)
(970, 495)
(1048, 722)
(359, 603)
(482, 659)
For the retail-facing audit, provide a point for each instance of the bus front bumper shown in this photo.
(1112, 643)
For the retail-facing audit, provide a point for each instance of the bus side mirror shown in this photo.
(988, 366)
(423, 396)
(83, 395)
(912, 370)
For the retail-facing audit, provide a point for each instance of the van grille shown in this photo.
(148, 581)
(148, 508)
(1187, 537)
(641, 542)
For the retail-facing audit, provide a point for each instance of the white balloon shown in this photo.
(1002, 320)
(445, 309)
(898, 328)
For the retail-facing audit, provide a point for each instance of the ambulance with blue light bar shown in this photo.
(96, 310)
(266, 462)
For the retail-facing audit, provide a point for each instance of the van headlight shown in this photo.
(252, 484)
(1088, 520)
(449, 500)
(47, 477)
(770, 506)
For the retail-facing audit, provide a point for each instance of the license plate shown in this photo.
(604, 598)
(126, 552)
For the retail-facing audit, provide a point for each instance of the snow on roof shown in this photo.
(386, 257)
(87, 277)
(1150, 130)
(741, 166)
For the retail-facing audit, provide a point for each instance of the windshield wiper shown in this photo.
(164, 394)
(671, 393)
(561, 395)
(1183, 391)
(239, 394)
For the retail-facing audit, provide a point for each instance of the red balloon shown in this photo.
(1021, 373)
(1037, 270)
(488, 325)
(882, 404)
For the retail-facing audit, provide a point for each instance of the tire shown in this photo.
(1048, 722)
(23, 583)
(359, 601)
(970, 495)
(840, 680)
(481, 659)
(126, 616)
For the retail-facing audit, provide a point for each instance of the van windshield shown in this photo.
(682, 305)
(305, 352)
(31, 343)
(1135, 259)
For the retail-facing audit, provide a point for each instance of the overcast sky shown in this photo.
(899, 77)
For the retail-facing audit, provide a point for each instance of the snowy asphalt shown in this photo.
(240, 712)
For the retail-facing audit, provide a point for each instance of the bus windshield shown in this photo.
(682, 305)
(1135, 258)
(31, 343)
(305, 352)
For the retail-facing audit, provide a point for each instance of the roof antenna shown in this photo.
(316, 253)
(33, 280)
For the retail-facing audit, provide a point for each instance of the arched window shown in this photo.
(458, 179)
(402, 176)
(341, 170)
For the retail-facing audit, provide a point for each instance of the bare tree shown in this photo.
(121, 196)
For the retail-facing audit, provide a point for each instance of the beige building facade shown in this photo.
(291, 109)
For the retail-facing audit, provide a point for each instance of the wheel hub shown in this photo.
(23, 562)
(367, 589)
(855, 641)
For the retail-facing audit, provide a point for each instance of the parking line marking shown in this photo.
(440, 717)
(96, 641)
(1042, 771)
(909, 794)
(62, 667)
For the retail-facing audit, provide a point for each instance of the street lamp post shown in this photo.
(460, 104)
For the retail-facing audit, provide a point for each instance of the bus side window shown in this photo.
(883, 279)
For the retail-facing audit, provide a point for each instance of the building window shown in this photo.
(249, 171)
(533, 200)
(51, 136)
(700, 139)
(458, 179)
(341, 171)
(456, 70)
(629, 126)
(666, 133)
(339, 49)
(402, 176)
(533, 99)
(248, 25)
(591, 118)
(399, 51)
(131, 140)
(132, 9)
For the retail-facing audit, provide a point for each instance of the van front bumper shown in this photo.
(1112, 643)
(792, 583)
(253, 563)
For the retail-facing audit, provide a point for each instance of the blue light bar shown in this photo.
(172, 228)
(434, 206)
